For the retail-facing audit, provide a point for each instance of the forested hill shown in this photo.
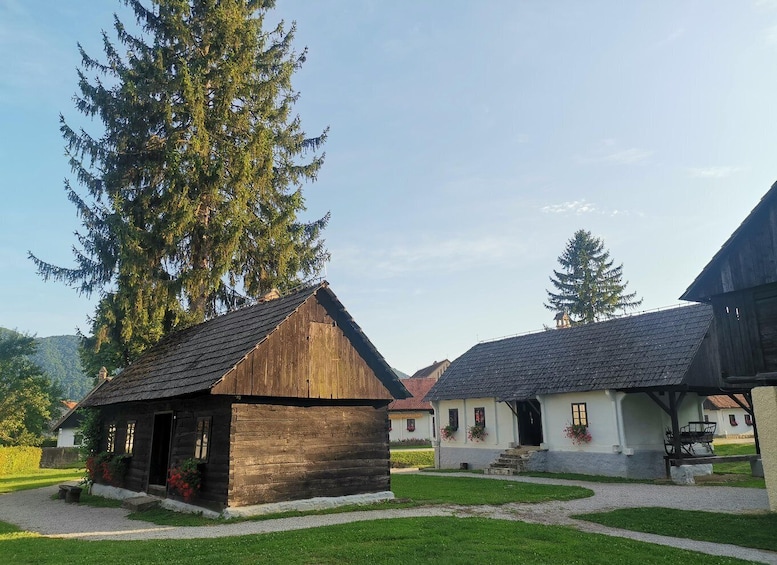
(58, 357)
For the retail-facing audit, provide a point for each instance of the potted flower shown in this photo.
(578, 433)
(477, 433)
(447, 432)
(186, 478)
(107, 468)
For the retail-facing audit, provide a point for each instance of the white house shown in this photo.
(624, 383)
(728, 413)
(413, 418)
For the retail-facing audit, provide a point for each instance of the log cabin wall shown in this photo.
(294, 452)
(215, 471)
(308, 356)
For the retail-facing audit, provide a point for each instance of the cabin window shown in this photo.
(453, 418)
(480, 417)
(129, 442)
(111, 447)
(78, 439)
(203, 439)
(411, 424)
(748, 420)
(579, 414)
(732, 419)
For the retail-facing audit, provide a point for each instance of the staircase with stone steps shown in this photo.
(511, 461)
(141, 503)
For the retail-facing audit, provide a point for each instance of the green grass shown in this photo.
(742, 467)
(746, 530)
(39, 478)
(448, 541)
(469, 491)
(590, 478)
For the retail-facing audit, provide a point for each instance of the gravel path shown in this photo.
(34, 510)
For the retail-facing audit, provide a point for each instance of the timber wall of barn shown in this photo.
(284, 452)
(308, 356)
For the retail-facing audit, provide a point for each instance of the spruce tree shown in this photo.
(193, 190)
(589, 288)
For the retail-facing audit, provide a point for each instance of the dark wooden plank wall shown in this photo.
(750, 261)
(186, 411)
(283, 453)
(705, 368)
(306, 357)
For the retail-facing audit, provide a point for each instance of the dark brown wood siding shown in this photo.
(747, 329)
(284, 452)
(308, 356)
(215, 474)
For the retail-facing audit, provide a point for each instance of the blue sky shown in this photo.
(468, 141)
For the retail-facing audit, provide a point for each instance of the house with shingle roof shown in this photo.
(284, 400)
(625, 382)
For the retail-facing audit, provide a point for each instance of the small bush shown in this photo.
(16, 460)
(412, 459)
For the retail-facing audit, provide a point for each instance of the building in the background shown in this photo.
(729, 415)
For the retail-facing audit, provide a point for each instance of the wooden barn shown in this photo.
(741, 284)
(284, 400)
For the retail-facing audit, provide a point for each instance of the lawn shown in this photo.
(746, 530)
(742, 467)
(39, 478)
(471, 490)
(414, 540)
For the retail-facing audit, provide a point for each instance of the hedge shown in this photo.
(414, 458)
(14, 460)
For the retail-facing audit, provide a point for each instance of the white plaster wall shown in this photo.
(66, 437)
(725, 429)
(423, 426)
(646, 423)
(557, 413)
(499, 423)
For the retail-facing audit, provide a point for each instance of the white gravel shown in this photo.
(34, 510)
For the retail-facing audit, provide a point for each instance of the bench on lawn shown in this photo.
(673, 461)
(70, 493)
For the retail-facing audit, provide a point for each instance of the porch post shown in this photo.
(677, 447)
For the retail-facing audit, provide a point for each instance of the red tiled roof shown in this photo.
(721, 401)
(418, 388)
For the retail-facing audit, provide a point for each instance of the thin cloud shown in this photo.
(577, 207)
(608, 151)
(671, 38)
(580, 207)
(712, 172)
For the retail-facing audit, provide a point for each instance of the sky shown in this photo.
(468, 141)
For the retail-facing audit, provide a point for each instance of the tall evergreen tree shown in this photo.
(589, 288)
(193, 190)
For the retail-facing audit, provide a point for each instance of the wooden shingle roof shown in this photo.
(195, 359)
(650, 350)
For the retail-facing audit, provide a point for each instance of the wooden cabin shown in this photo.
(741, 284)
(284, 400)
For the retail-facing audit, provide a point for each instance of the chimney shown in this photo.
(274, 294)
(562, 320)
(102, 375)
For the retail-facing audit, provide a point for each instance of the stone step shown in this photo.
(140, 503)
(499, 471)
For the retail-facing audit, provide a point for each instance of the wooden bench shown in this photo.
(70, 493)
(672, 461)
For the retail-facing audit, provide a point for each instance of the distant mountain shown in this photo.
(58, 357)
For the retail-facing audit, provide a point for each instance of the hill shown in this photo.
(58, 357)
